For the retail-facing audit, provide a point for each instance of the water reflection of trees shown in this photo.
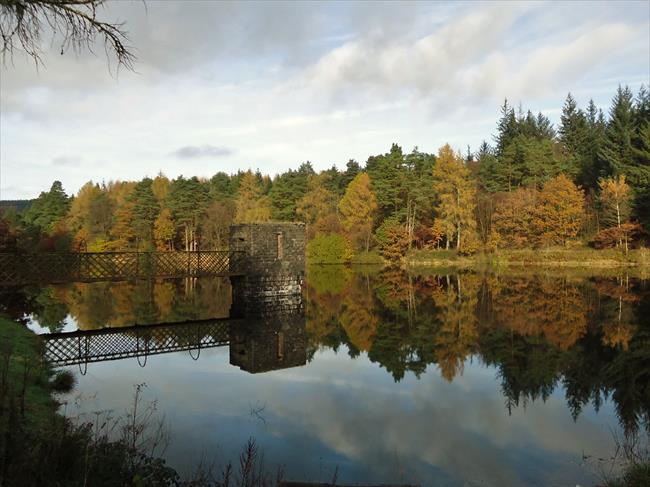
(101, 304)
(591, 336)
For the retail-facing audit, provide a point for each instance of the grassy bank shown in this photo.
(555, 257)
(25, 382)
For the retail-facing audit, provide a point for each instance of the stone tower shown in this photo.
(271, 266)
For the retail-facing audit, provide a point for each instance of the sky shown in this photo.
(221, 86)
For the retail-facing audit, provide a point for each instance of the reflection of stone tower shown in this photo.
(272, 268)
(269, 342)
(268, 294)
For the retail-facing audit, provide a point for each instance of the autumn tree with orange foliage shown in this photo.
(318, 208)
(358, 208)
(164, 230)
(396, 242)
(560, 212)
(512, 218)
(455, 194)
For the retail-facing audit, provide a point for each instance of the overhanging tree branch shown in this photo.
(22, 23)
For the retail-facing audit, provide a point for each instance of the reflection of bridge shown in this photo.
(81, 347)
(269, 342)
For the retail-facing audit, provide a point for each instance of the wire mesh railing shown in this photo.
(22, 268)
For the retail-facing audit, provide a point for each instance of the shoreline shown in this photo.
(549, 258)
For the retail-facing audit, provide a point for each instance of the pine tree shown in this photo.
(49, 208)
(386, 172)
(187, 199)
(145, 209)
(287, 189)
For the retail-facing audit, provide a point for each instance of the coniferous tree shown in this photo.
(616, 151)
(573, 135)
(49, 208)
(145, 210)
(352, 168)
(507, 128)
(487, 169)
(287, 189)
(592, 166)
(187, 199)
(385, 172)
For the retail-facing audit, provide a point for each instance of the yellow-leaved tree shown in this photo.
(455, 196)
(316, 207)
(164, 230)
(559, 213)
(358, 208)
(615, 197)
(251, 205)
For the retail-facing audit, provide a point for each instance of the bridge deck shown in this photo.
(18, 268)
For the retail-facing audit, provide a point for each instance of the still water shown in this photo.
(440, 379)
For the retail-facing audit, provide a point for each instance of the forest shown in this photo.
(585, 182)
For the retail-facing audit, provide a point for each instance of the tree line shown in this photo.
(585, 182)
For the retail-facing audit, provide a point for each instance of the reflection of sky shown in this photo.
(69, 324)
(344, 412)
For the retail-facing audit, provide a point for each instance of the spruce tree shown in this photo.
(573, 136)
(507, 128)
(616, 151)
(592, 167)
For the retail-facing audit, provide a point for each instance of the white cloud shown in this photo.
(285, 83)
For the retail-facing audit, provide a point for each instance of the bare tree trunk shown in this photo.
(618, 221)
(458, 223)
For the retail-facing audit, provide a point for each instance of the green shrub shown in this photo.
(329, 248)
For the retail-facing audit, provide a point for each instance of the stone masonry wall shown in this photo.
(271, 248)
(274, 264)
